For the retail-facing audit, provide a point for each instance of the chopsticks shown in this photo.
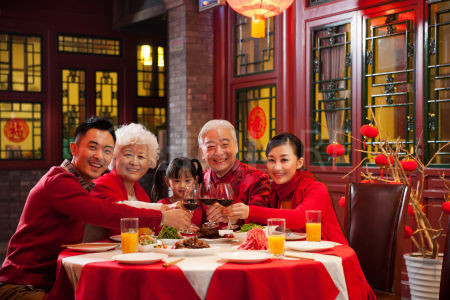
(300, 257)
(172, 262)
(90, 245)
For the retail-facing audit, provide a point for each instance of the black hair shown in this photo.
(178, 166)
(283, 139)
(96, 123)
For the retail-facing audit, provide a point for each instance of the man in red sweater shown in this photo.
(218, 147)
(57, 208)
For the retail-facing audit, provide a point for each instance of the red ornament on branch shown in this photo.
(408, 232)
(409, 165)
(382, 161)
(334, 150)
(368, 131)
(446, 207)
(342, 201)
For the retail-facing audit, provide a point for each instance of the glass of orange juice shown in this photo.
(129, 234)
(276, 228)
(313, 225)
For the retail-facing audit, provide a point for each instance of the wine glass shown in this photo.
(208, 196)
(190, 202)
(225, 198)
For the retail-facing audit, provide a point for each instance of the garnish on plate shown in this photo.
(168, 232)
(249, 226)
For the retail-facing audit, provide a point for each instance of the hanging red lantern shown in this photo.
(368, 131)
(259, 10)
(334, 150)
(408, 232)
(342, 201)
(368, 181)
(410, 210)
(446, 207)
(409, 165)
(382, 161)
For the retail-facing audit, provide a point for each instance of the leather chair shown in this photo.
(374, 225)
(444, 292)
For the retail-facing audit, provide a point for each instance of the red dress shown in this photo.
(198, 217)
(305, 193)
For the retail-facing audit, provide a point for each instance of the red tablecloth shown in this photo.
(274, 279)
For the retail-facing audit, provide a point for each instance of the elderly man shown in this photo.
(218, 147)
(57, 208)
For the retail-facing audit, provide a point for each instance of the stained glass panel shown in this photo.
(107, 96)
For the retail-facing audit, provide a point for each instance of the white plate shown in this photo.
(244, 257)
(188, 252)
(94, 247)
(116, 238)
(311, 246)
(235, 248)
(139, 258)
(218, 240)
(169, 242)
(148, 248)
(294, 236)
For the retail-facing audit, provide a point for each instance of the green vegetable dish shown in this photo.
(249, 226)
(168, 232)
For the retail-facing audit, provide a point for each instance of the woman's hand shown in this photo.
(174, 205)
(237, 210)
(178, 218)
(215, 213)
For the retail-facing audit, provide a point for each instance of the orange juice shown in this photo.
(144, 230)
(276, 244)
(313, 231)
(129, 242)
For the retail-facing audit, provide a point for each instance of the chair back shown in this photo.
(374, 225)
(444, 292)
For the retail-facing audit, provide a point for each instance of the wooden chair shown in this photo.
(374, 225)
(444, 292)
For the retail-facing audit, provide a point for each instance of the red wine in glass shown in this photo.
(225, 198)
(208, 196)
(208, 201)
(225, 202)
(191, 204)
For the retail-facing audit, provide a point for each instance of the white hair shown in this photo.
(137, 134)
(216, 124)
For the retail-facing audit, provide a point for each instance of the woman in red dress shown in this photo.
(293, 192)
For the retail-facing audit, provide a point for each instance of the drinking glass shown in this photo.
(129, 234)
(190, 202)
(313, 225)
(208, 196)
(276, 228)
(225, 198)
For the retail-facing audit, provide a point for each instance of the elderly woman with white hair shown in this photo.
(136, 151)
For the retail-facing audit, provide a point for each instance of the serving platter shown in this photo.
(244, 257)
(139, 258)
(310, 246)
(188, 252)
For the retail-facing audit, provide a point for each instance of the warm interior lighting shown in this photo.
(258, 26)
(146, 55)
(160, 57)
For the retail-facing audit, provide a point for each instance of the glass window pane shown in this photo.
(107, 96)
(21, 131)
(437, 94)
(73, 98)
(255, 117)
(151, 71)
(153, 118)
(389, 78)
(252, 55)
(20, 63)
(332, 92)
(88, 45)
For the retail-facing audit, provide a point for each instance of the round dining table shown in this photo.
(329, 274)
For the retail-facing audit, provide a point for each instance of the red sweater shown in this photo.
(250, 186)
(198, 217)
(54, 214)
(110, 188)
(305, 193)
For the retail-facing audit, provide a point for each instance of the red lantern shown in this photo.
(368, 181)
(382, 161)
(368, 131)
(408, 232)
(446, 207)
(342, 201)
(408, 165)
(410, 210)
(334, 150)
(258, 10)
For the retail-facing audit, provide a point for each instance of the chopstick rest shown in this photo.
(172, 262)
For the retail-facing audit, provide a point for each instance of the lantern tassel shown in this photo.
(364, 144)
(381, 175)
(258, 26)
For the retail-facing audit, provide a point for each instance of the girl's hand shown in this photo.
(215, 213)
(178, 218)
(237, 210)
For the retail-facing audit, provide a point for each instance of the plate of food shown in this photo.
(295, 236)
(191, 246)
(116, 238)
(147, 243)
(310, 246)
(139, 258)
(244, 257)
(92, 247)
(256, 239)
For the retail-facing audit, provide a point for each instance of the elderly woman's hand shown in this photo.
(237, 211)
(178, 218)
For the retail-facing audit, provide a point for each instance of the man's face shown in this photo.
(219, 150)
(92, 153)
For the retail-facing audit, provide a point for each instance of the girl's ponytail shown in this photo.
(198, 169)
(158, 183)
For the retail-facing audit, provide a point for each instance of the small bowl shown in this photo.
(222, 232)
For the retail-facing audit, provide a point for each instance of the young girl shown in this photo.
(180, 173)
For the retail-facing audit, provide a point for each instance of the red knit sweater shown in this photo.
(54, 214)
(305, 193)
